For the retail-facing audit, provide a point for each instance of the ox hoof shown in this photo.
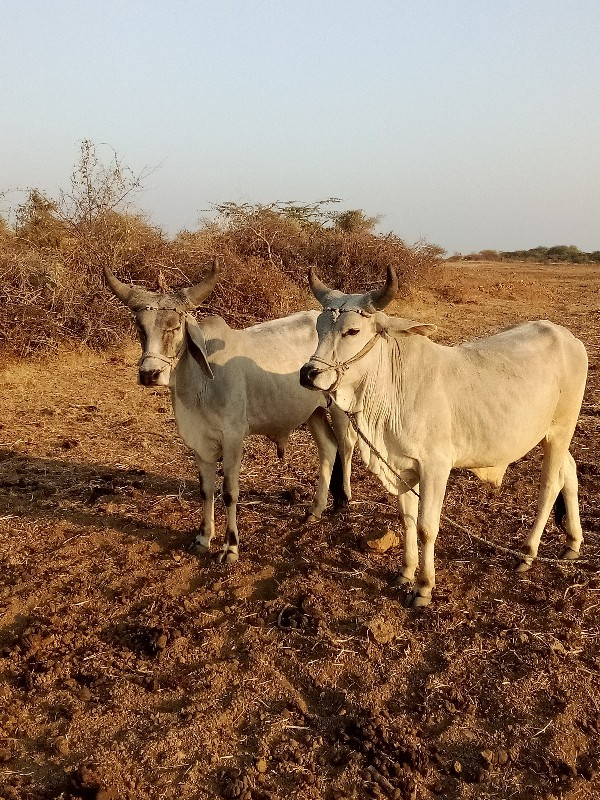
(309, 518)
(416, 600)
(227, 557)
(569, 554)
(339, 506)
(200, 549)
(524, 566)
(402, 580)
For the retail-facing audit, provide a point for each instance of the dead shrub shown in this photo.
(51, 285)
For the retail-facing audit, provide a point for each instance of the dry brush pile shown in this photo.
(51, 285)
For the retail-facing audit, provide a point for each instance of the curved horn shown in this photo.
(196, 294)
(118, 288)
(380, 298)
(317, 287)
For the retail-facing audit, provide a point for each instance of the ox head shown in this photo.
(349, 328)
(164, 325)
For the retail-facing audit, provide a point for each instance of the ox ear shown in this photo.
(407, 326)
(197, 346)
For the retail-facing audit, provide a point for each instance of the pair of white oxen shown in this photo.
(424, 408)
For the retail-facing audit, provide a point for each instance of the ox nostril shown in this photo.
(307, 374)
(148, 377)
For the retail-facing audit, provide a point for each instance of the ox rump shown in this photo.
(428, 408)
(227, 384)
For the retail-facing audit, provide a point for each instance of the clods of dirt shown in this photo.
(88, 783)
(382, 541)
(295, 617)
(132, 670)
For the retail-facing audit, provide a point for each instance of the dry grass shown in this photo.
(51, 286)
(52, 291)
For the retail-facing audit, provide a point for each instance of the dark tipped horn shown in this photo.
(317, 287)
(380, 298)
(121, 290)
(196, 294)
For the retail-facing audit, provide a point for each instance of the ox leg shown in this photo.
(408, 507)
(433, 489)
(551, 481)
(346, 440)
(326, 442)
(232, 461)
(206, 474)
(571, 523)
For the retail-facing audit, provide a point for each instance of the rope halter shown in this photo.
(170, 360)
(340, 367)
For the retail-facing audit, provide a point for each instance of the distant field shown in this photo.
(130, 666)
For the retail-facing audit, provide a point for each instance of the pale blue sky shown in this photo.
(472, 123)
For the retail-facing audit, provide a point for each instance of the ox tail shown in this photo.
(560, 511)
(336, 485)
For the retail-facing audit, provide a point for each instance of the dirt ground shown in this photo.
(132, 669)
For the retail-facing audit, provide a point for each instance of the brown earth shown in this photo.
(131, 669)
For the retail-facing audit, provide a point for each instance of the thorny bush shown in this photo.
(52, 291)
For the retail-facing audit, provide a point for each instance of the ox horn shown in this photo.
(194, 295)
(380, 298)
(122, 290)
(317, 287)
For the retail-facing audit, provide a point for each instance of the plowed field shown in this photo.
(132, 669)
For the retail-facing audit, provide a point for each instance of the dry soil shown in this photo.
(130, 668)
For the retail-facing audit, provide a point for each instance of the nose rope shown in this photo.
(158, 356)
(340, 367)
(150, 354)
(163, 308)
(352, 418)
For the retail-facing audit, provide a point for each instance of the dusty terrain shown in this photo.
(130, 668)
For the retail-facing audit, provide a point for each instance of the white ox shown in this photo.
(428, 408)
(227, 384)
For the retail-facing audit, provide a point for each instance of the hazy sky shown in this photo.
(472, 123)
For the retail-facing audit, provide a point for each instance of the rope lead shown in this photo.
(521, 556)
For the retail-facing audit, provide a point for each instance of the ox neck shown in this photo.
(397, 378)
(188, 380)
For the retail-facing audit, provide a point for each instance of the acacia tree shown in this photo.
(38, 221)
(354, 221)
(98, 188)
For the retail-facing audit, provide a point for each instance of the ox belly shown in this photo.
(509, 402)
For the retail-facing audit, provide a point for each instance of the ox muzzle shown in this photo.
(154, 370)
(150, 377)
(308, 374)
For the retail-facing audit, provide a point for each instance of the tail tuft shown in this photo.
(336, 484)
(560, 511)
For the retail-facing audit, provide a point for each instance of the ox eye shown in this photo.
(351, 332)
